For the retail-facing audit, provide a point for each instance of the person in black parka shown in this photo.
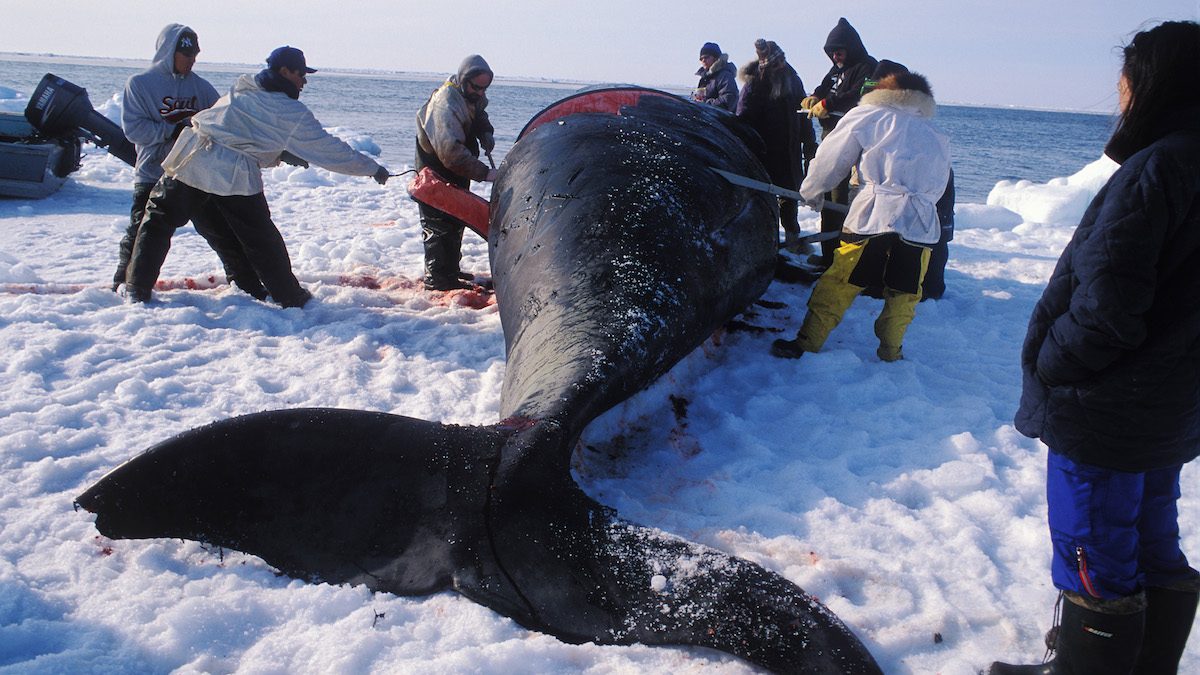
(837, 93)
(770, 104)
(1111, 379)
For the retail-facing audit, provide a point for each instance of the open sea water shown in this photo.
(987, 144)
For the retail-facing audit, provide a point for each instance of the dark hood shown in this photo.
(844, 36)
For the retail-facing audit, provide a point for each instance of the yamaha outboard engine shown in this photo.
(59, 108)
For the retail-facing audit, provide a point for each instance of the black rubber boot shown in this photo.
(1103, 638)
(787, 349)
(1169, 616)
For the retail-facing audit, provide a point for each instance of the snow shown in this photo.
(897, 493)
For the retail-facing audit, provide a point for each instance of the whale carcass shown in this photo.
(615, 252)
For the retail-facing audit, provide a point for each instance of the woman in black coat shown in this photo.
(770, 104)
(1111, 379)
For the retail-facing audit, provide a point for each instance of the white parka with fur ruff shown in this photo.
(903, 165)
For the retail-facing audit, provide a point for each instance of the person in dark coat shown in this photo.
(837, 93)
(1111, 379)
(934, 285)
(770, 103)
(718, 79)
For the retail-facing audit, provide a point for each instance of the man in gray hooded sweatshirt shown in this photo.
(452, 127)
(218, 161)
(158, 103)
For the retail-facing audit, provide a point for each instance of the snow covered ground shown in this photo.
(899, 493)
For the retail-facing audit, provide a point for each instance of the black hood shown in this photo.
(844, 36)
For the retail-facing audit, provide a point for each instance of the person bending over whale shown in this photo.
(452, 127)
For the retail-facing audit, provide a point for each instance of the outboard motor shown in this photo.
(59, 108)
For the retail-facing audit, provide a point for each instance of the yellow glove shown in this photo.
(818, 110)
(808, 102)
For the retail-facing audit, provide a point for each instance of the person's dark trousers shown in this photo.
(173, 203)
(789, 218)
(249, 217)
(831, 221)
(935, 277)
(170, 205)
(141, 193)
(442, 235)
(213, 224)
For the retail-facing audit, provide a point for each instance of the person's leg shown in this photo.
(1172, 586)
(905, 268)
(1093, 517)
(832, 221)
(442, 236)
(831, 297)
(212, 224)
(789, 219)
(141, 194)
(934, 285)
(250, 219)
(170, 206)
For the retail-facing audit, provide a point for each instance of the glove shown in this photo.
(381, 175)
(815, 204)
(491, 176)
(488, 143)
(808, 102)
(288, 158)
(818, 110)
(178, 115)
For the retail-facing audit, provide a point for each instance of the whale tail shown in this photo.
(340, 496)
(413, 507)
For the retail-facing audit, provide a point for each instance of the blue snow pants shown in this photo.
(1114, 533)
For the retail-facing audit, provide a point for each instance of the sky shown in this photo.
(1025, 53)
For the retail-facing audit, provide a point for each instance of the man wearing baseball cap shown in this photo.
(219, 159)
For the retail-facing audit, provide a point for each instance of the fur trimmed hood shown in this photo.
(716, 67)
(903, 90)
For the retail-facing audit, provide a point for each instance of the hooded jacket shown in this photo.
(1111, 360)
(842, 86)
(718, 84)
(451, 129)
(155, 92)
(227, 146)
(903, 162)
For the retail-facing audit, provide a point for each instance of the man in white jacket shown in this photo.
(903, 164)
(219, 159)
(158, 104)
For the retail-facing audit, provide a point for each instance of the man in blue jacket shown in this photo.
(718, 79)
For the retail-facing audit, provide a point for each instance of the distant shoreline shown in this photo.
(558, 83)
(550, 83)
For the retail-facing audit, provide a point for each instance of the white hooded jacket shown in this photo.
(903, 164)
(227, 146)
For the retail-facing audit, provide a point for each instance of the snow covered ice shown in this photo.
(899, 494)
